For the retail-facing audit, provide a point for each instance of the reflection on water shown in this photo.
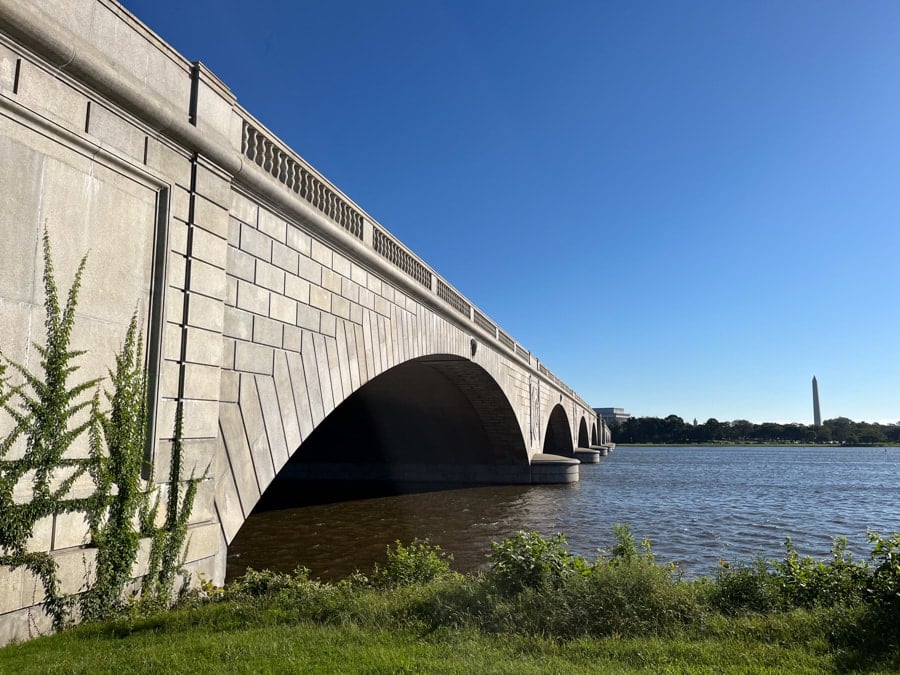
(697, 505)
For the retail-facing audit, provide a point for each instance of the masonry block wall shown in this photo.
(267, 296)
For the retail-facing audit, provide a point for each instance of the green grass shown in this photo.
(165, 644)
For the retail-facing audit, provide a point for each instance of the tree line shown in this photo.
(673, 429)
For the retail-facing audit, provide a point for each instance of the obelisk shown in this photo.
(817, 414)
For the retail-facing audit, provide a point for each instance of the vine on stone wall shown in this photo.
(49, 415)
(168, 542)
(120, 494)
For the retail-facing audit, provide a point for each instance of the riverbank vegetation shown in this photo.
(673, 430)
(537, 609)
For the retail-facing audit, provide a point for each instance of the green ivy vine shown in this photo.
(49, 414)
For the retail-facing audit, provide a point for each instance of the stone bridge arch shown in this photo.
(558, 434)
(583, 438)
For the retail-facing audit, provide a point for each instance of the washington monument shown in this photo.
(817, 414)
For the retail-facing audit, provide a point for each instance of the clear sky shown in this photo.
(680, 207)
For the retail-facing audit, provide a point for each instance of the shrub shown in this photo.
(744, 587)
(418, 563)
(804, 582)
(529, 561)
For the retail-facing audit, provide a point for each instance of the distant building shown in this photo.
(612, 416)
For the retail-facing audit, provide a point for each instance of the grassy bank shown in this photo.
(538, 609)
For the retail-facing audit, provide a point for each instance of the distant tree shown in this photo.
(742, 429)
(842, 429)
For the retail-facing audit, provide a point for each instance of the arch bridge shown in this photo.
(298, 333)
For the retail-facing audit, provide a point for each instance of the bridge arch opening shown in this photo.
(440, 418)
(583, 441)
(558, 437)
(594, 439)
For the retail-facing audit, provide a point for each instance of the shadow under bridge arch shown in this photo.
(558, 437)
(438, 418)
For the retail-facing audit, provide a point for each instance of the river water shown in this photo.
(697, 505)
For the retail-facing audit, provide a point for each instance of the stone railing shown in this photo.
(296, 175)
(271, 155)
(389, 249)
(484, 323)
(454, 299)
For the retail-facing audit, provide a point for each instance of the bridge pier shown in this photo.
(588, 455)
(547, 469)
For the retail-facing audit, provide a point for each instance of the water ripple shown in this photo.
(696, 505)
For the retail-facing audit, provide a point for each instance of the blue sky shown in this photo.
(680, 207)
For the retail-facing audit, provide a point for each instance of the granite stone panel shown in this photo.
(313, 383)
(321, 253)
(308, 317)
(213, 186)
(253, 358)
(293, 337)
(203, 346)
(340, 264)
(252, 298)
(301, 394)
(320, 298)
(229, 383)
(179, 203)
(268, 332)
(169, 162)
(243, 210)
(238, 324)
(299, 241)
(285, 257)
(210, 216)
(340, 306)
(176, 271)
(358, 274)
(228, 352)
(309, 269)
(240, 457)
(201, 382)
(255, 243)
(272, 225)
(230, 511)
(334, 371)
(210, 248)
(321, 360)
(205, 312)
(283, 309)
(343, 359)
(350, 290)
(114, 132)
(206, 279)
(268, 399)
(269, 276)
(353, 356)
(256, 432)
(41, 91)
(372, 362)
(327, 324)
(296, 288)
(286, 404)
